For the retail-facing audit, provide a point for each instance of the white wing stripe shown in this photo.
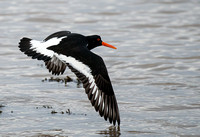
(95, 88)
(41, 47)
(84, 69)
(90, 79)
(92, 85)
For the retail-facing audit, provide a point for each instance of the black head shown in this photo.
(95, 41)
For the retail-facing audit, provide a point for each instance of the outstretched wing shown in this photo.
(101, 95)
(38, 50)
(92, 72)
(55, 65)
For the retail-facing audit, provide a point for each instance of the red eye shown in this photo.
(98, 39)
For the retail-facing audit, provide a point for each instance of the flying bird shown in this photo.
(65, 49)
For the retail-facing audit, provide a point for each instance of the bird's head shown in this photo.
(95, 41)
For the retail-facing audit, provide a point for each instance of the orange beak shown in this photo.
(108, 45)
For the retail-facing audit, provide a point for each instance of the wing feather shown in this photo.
(39, 50)
(105, 103)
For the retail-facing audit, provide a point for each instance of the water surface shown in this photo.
(155, 71)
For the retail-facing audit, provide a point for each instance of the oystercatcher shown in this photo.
(65, 49)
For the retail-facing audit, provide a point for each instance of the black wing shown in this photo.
(55, 65)
(102, 98)
(58, 35)
(37, 50)
(96, 82)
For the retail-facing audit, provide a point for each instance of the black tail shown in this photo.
(25, 46)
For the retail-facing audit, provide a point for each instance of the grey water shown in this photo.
(155, 70)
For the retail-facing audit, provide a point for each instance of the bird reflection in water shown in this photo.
(112, 131)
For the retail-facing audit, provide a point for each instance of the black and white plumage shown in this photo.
(65, 49)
